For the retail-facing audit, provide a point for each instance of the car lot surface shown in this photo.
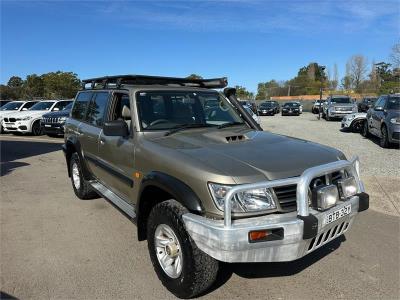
(55, 246)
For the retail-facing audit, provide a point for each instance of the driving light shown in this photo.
(248, 201)
(26, 118)
(350, 117)
(62, 119)
(347, 187)
(325, 197)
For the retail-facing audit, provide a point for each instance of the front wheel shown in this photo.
(357, 126)
(384, 141)
(36, 129)
(183, 268)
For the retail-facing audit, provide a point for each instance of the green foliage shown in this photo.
(194, 76)
(53, 85)
(243, 94)
(267, 89)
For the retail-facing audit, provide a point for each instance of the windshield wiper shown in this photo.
(187, 126)
(229, 124)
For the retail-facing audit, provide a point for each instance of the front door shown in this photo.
(116, 154)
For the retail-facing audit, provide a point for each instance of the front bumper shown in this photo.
(52, 128)
(394, 133)
(293, 112)
(18, 126)
(303, 231)
(346, 123)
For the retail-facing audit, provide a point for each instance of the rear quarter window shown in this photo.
(81, 105)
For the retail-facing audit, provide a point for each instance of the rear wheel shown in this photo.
(36, 129)
(384, 141)
(183, 268)
(82, 188)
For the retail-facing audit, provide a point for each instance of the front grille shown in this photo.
(344, 109)
(50, 120)
(286, 196)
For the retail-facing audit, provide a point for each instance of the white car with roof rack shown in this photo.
(29, 121)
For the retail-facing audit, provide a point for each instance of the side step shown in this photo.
(118, 201)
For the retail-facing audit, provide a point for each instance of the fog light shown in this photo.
(347, 187)
(325, 197)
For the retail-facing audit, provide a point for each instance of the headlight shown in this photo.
(395, 121)
(331, 108)
(325, 197)
(248, 201)
(62, 119)
(347, 187)
(355, 109)
(26, 118)
(350, 117)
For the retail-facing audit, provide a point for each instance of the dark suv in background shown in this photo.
(383, 120)
(366, 103)
(53, 123)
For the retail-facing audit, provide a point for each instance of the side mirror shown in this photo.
(24, 109)
(56, 109)
(116, 128)
(378, 108)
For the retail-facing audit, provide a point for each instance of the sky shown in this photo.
(249, 41)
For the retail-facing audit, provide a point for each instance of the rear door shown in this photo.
(377, 116)
(116, 154)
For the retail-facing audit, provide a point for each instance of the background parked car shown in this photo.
(291, 109)
(383, 120)
(366, 103)
(275, 105)
(354, 122)
(300, 107)
(266, 109)
(336, 107)
(12, 107)
(29, 121)
(52, 124)
(3, 102)
(316, 105)
(251, 112)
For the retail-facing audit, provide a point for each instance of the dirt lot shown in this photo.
(55, 246)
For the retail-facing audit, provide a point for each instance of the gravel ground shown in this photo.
(380, 168)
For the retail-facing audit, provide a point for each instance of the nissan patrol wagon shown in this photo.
(204, 183)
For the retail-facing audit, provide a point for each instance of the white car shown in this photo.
(12, 107)
(29, 121)
(354, 122)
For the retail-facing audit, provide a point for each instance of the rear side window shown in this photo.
(80, 106)
(97, 108)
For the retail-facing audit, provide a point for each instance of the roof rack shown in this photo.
(119, 80)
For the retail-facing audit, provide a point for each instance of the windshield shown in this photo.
(69, 106)
(45, 105)
(12, 106)
(341, 100)
(165, 110)
(291, 104)
(393, 103)
(265, 105)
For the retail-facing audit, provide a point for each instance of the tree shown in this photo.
(357, 70)
(194, 76)
(335, 79)
(243, 94)
(60, 85)
(33, 86)
(15, 82)
(267, 89)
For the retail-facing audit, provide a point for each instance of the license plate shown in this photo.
(47, 125)
(337, 214)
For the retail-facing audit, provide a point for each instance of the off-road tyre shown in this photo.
(84, 191)
(384, 140)
(365, 131)
(36, 129)
(199, 270)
